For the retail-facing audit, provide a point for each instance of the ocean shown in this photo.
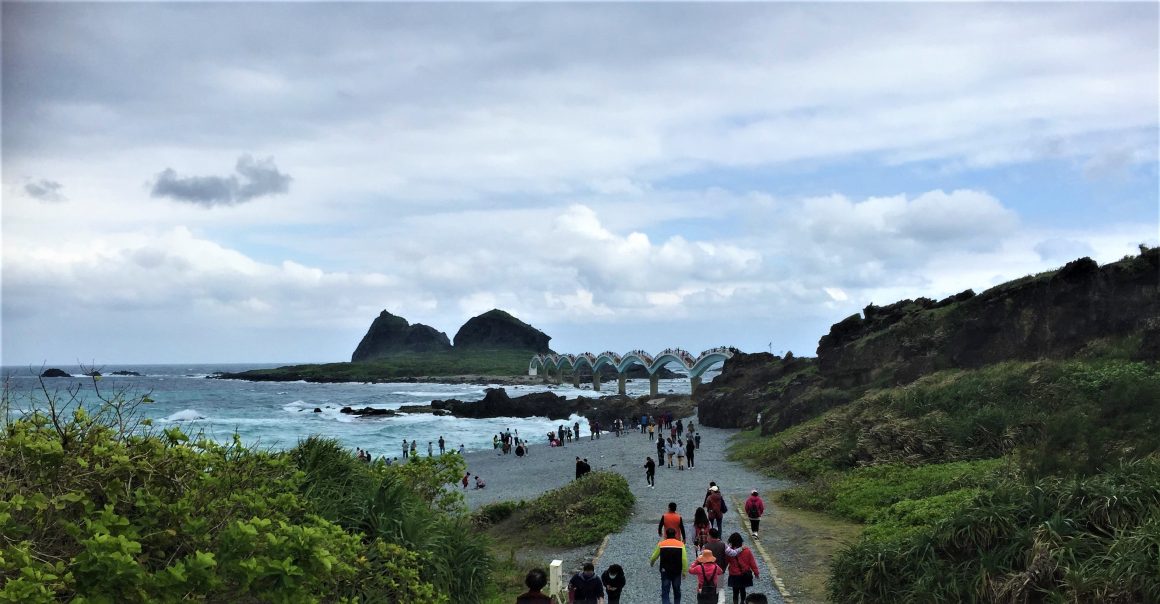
(277, 415)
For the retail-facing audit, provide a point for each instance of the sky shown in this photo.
(255, 182)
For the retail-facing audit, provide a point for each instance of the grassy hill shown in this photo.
(449, 363)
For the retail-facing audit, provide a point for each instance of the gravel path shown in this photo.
(545, 468)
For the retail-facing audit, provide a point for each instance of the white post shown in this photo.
(556, 579)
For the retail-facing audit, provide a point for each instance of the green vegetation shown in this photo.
(1020, 481)
(402, 365)
(583, 511)
(96, 508)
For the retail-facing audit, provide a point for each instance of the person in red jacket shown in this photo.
(742, 567)
(754, 509)
(708, 575)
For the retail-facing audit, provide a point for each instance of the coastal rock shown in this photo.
(369, 412)
(497, 403)
(128, 373)
(390, 334)
(1056, 314)
(54, 373)
(498, 330)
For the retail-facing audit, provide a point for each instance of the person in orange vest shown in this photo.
(674, 562)
(672, 520)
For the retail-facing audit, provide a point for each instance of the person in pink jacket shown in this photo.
(742, 567)
(708, 575)
(754, 509)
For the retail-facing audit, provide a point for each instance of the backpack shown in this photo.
(709, 584)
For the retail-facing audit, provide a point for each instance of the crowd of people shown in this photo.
(721, 566)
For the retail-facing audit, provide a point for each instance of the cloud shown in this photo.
(1063, 250)
(45, 190)
(254, 178)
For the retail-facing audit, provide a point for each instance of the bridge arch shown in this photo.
(696, 366)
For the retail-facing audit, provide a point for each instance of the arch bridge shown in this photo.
(554, 365)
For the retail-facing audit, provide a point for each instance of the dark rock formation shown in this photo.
(368, 412)
(54, 373)
(1051, 315)
(389, 335)
(497, 403)
(497, 330)
(122, 372)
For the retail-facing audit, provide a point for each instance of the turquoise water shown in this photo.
(276, 415)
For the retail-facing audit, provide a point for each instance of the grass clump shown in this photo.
(583, 511)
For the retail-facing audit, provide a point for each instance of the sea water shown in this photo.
(277, 415)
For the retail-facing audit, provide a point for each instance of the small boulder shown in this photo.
(54, 373)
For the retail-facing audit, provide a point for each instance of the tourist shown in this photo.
(680, 427)
(650, 472)
(670, 450)
(674, 563)
(520, 450)
(672, 520)
(661, 451)
(576, 427)
(466, 475)
(430, 448)
(697, 440)
(536, 580)
(715, 507)
(442, 449)
(742, 567)
(613, 580)
(406, 449)
(689, 449)
(651, 429)
(680, 447)
(495, 441)
(479, 484)
(585, 587)
(754, 509)
(756, 599)
(462, 449)
(414, 448)
(579, 467)
(708, 575)
(717, 546)
(701, 528)
(690, 428)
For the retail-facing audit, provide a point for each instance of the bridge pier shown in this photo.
(621, 379)
(576, 379)
(596, 381)
(694, 383)
(654, 385)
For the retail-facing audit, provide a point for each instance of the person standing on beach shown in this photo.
(430, 449)
(697, 438)
(672, 520)
(414, 447)
(651, 429)
(406, 449)
(576, 427)
(650, 472)
(674, 562)
(754, 509)
(661, 451)
(466, 475)
(680, 447)
(442, 449)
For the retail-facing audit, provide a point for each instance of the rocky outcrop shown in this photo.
(1052, 315)
(498, 330)
(497, 403)
(54, 373)
(389, 335)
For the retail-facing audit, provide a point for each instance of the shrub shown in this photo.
(583, 511)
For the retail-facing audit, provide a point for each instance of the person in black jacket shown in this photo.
(585, 587)
(613, 580)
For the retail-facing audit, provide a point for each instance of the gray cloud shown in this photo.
(45, 190)
(254, 178)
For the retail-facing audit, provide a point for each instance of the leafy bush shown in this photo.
(494, 513)
(583, 511)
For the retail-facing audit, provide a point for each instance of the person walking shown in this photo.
(672, 520)
(536, 580)
(715, 507)
(613, 580)
(754, 509)
(585, 587)
(701, 528)
(689, 449)
(742, 567)
(708, 575)
(670, 450)
(650, 472)
(674, 563)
